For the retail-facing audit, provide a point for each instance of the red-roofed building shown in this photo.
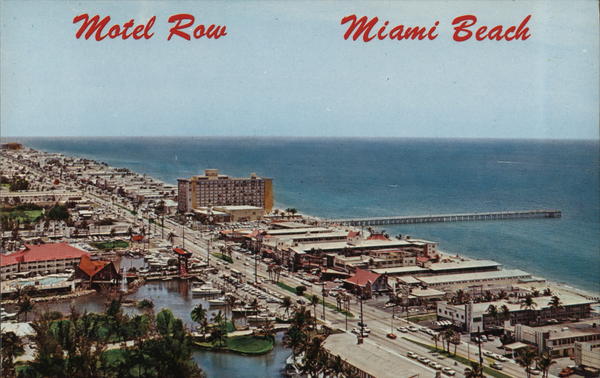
(366, 282)
(379, 236)
(41, 259)
(96, 271)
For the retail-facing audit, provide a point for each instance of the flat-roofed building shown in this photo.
(587, 354)
(474, 316)
(469, 279)
(559, 339)
(214, 189)
(370, 360)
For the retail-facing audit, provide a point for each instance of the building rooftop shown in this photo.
(42, 252)
(401, 270)
(373, 359)
(237, 207)
(466, 277)
(467, 264)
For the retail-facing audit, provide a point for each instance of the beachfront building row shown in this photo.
(560, 340)
(214, 189)
(475, 317)
(40, 259)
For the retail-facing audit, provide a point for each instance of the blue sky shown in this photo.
(285, 70)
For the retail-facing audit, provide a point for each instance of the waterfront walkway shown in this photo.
(486, 216)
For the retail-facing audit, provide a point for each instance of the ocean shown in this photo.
(352, 177)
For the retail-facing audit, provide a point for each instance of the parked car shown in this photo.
(402, 329)
(435, 365)
(413, 328)
(391, 336)
(448, 371)
(412, 355)
(496, 366)
(566, 372)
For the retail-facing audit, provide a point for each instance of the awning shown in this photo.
(444, 323)
(516, 346)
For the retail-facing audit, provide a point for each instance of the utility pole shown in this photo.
(256, 267)
(479, 345)
(323, 294)
(362, 322)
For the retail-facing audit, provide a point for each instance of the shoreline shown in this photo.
(559, 284)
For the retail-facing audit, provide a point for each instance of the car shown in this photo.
(468, 370)
(566, 372)
(413, 328)
(500, 358)
(361, 324)
(435, 365)
(490, 338)
(534, 371)
(391, 336)
(448, 371)
(421, 358)
(412, 355)
(488, 353)
(483, 338)
(496, 366)
(402, 329)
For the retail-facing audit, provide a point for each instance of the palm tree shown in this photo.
(459, 297)
(229, 303)
(11, 348)
(547, 292)
(505, 312)
(314, 301)
(493, 311)
(286, 304)
(555, 304)
(198, 315)
(146, 305)
(528, 304)
(476, 371)
(544, 361)
(526, 358)
(435, 338)
(25, 306)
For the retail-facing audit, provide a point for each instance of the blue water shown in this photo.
(369, 177)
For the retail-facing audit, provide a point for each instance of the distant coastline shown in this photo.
(304, 195)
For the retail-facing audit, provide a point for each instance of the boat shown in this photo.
(206, 289)
(217, 302)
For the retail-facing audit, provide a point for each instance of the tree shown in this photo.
(435, 338)
(544, 361)
(286, 304)
(505, 312)
(145, 305)
(555, 304)
(314, 301)
(528, 304)
(24, 306)
(12, 347)
(476, 371)
(58, 212)
(492, 310)
(300, 290)
(198, 315)
(525, 358)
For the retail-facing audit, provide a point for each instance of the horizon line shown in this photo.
(302, 137)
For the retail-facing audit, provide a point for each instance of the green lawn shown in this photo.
(223, 257)
(112, 244)
(420, 318)
(307, 296)
(242, 344)
(459, 358)
(23, 215)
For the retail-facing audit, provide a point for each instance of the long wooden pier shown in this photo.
(487, 216)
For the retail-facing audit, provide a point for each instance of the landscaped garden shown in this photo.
(111, 244)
